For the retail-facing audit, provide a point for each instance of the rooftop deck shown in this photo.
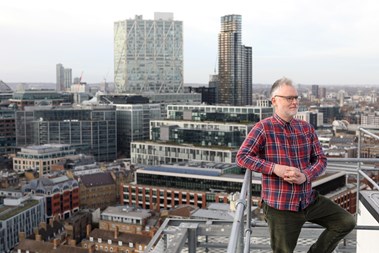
(244, 234)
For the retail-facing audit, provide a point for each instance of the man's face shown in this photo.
(286, 102)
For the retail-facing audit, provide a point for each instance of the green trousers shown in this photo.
(285, 226)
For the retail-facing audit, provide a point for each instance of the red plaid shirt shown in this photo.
(275, 141)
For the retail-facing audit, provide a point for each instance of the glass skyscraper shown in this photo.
(148, 55)
(235, 64)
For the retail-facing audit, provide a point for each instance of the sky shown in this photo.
(309, 41)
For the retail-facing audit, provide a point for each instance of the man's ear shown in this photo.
(273, 101)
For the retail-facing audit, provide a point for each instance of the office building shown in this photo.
(330, 112)
(235, 64)
(156, 153)
(61, 195)
(200, 133)
(41, 158)
(208, 94)
(97, 190)
(316, 119)
(133, 124)
(218, 113)
(7, 131)
(27, 98)
(201, 183)
(165, 99)
(90, 129)
(133, 113)
(19, 215)
(127, 219)
(148, 54)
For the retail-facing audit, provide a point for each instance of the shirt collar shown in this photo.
(282, 121)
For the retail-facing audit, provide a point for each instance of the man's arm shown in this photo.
(318, 160)
(248, 154)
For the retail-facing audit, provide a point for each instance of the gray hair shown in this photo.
(280, 83)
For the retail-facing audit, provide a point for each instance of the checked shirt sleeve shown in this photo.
(248, 156)
(318, 160)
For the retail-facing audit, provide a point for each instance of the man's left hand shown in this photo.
(294, 176)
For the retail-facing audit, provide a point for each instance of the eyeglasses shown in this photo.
(289, 99)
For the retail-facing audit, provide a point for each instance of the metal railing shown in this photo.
(239, 240)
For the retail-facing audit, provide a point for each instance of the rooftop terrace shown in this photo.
(245, 234)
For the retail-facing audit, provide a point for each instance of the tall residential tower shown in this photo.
(64, 78)
(148, 54)
(235, 64)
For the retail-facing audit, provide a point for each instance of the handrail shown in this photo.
(235, 235)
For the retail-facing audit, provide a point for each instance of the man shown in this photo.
(288, 154)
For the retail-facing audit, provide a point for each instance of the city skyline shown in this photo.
(319, 42)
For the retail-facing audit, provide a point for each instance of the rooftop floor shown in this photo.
(182, 236)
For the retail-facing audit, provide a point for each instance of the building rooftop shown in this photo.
(7, 212)
(97, 179)
(124, 237)
(126, 211)
(47, 247)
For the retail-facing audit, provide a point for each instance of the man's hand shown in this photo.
(290, 174)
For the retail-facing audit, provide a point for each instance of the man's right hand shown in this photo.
(289, 174)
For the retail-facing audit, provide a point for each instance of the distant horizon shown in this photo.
(202, 84)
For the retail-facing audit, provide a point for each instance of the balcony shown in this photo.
(245, 234)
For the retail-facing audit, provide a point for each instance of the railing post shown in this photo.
(192, 238)
(358, 174)
(240, 238)
(248, 215)
(235, 235)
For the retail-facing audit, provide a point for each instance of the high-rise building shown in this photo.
(148, 54)
(315, 90)
(235, 64)
(64, 78)
(247, 76)
(67, 79)
(60, 77)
